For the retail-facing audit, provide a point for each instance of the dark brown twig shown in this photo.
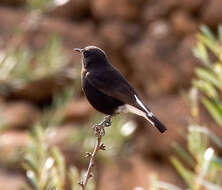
(99, 130)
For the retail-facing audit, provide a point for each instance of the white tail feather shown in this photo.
(134, 110)
(150, 114)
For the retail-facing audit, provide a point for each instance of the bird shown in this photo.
(107, 90)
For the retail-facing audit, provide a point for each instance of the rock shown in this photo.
(19, 114)
(13, 139)
(73, 9)
(118, 33)
(108, 9)
(157, 62)
(73, 34)
(126, 174)
(31, 92)
(13, 2)
(11, 180)
(183, 23)
(48, 85)
(188, 62)
(175, 120)
(11, 142)
(190, 5)
(211, 12)
(9, 18)
(150, 61)
(159, 29)
(134, 171)
(113, 34)
(2, 101)
(157, 9)
(78, 110)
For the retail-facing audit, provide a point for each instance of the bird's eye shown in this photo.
(86, 54)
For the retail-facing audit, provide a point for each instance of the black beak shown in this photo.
(78, 50)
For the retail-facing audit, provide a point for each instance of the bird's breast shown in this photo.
(84, 73)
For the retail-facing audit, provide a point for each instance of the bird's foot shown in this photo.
(107, 121)
(99, 128)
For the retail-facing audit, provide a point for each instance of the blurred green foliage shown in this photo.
(45, 165)
(209, 76)
(20, 66)
(116, 138)
(74, 177)
(45, 168)
(41, 5)
(54, 114)
(199, 165)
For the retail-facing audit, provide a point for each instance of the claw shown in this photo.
(81, 183)
(102, 132)
(99, 128)
(102, 147)
(107, 121)
(88, 154)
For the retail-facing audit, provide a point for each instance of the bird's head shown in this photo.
(92, 56)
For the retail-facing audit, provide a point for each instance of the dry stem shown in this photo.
(99, 132)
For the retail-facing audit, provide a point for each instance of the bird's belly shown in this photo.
(100, 101)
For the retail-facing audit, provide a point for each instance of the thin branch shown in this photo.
(99, 130)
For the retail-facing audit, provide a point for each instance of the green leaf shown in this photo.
(186, 174)
(209, 133)
(217, 162)
(186, 157)
(153, 182)
(212, 45)
(33, 179)
(60, 163)
(197, 143)
(215, 109)
(209, 76)
(220, 33)
(74, 178)
(201, 53)
(206, 87)
(207, 32)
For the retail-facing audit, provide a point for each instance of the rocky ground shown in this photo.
(150, 42)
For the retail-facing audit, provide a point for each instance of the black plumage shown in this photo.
(107, 90)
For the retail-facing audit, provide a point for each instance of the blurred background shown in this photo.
(170, 51)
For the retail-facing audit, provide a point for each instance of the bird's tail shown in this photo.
(147, 114)
(156, 123)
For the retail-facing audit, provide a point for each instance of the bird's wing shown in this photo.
(113, 84)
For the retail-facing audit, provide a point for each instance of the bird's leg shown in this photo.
(99, 132)
(107, 121)
(99, 128)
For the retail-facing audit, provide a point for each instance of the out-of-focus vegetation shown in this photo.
(150, 42)
(45, 164)
(116, 138)
(45, 168)
(209, 82)
(200, 166)
(21, 65)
